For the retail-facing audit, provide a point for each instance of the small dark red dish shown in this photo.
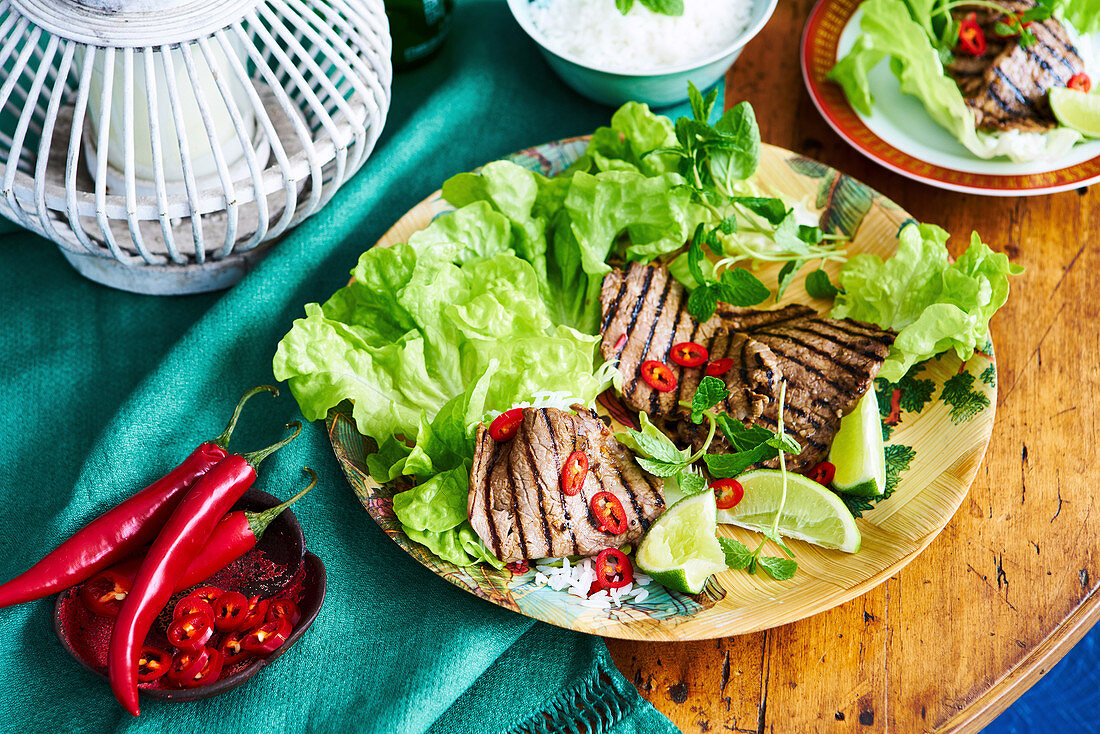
(278, 568)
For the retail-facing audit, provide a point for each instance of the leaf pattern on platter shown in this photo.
(844, 203)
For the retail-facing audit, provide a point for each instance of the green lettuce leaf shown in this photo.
(934, 305)
(436, 504)
(890, 31)
(628, 143)
(415, 329)
(1084, 15)
(459, 545)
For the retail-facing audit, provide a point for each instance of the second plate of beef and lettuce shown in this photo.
(662, 382)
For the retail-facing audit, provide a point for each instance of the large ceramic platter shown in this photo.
(900, 134)
(938, 421)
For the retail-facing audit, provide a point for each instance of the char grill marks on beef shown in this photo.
(517, 505)
(828, 364)
(1007, 87)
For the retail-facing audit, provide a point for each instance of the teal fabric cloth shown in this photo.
(101, 391)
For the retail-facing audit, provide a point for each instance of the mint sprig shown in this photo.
(737, 287)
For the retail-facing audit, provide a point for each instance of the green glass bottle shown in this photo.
(418, 28)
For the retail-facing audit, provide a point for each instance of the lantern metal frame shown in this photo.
(316, 74)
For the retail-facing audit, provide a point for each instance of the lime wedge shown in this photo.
(680, 550)
(857, 451)
(811, 512)
(1077, 110)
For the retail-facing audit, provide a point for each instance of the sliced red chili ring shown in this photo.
(267, 638)
(516, 568)
(609, 512)
(210, 671)
(613, 569)
(658, 376)
(257, 612)
(192, 604)
(574, 473)
(230, 610)
(207, 593)
(688, 354)
(104, 593)
(231, 649)
(505, 425)
(152, 663)
(284, 609)
(823, 473)
(187, 664)
(1081, 82)
(719, 367)
(971, 37)
(190, 632)
(727, 493)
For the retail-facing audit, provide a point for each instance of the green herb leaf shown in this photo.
(691, 483)
(786, 276)
(624, 6)
(741, 437)
(701, 107)
(737, 554)
(818, 285)
(659, 468)
(710, 392)
(655, 448)
(665, 7)
(778, 540)
(739, 154)
(784, 443)
(726, 466)
(696, 256)
(703, 301)
(774, 210)
(1003, 29)
(779, 569)
(810, 235)
(740, 288)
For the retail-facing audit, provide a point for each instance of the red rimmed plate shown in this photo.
(900, 135)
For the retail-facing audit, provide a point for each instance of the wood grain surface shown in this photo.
(1010, 585)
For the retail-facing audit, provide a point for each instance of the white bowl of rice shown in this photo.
(642, 56)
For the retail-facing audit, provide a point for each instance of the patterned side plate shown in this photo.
(900, 135)
(938, 420)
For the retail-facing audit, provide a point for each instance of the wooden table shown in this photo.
(1010, 585)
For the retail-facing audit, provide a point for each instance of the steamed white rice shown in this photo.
(576, 579)
(597, 34)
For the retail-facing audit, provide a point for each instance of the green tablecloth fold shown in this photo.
(102, 391)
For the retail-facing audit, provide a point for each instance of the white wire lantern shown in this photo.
(164, 144)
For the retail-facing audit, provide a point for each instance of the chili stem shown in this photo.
(256, 457)
(223, 439)
(258, 521)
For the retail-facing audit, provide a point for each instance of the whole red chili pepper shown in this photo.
(123, 529)
(236, 534)
(181, 539)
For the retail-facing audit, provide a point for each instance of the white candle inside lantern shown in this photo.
(185, 115)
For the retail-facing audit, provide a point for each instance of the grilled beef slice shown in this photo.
(516, 503)
(1008, 86)
(644, 315)
(828, 364)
